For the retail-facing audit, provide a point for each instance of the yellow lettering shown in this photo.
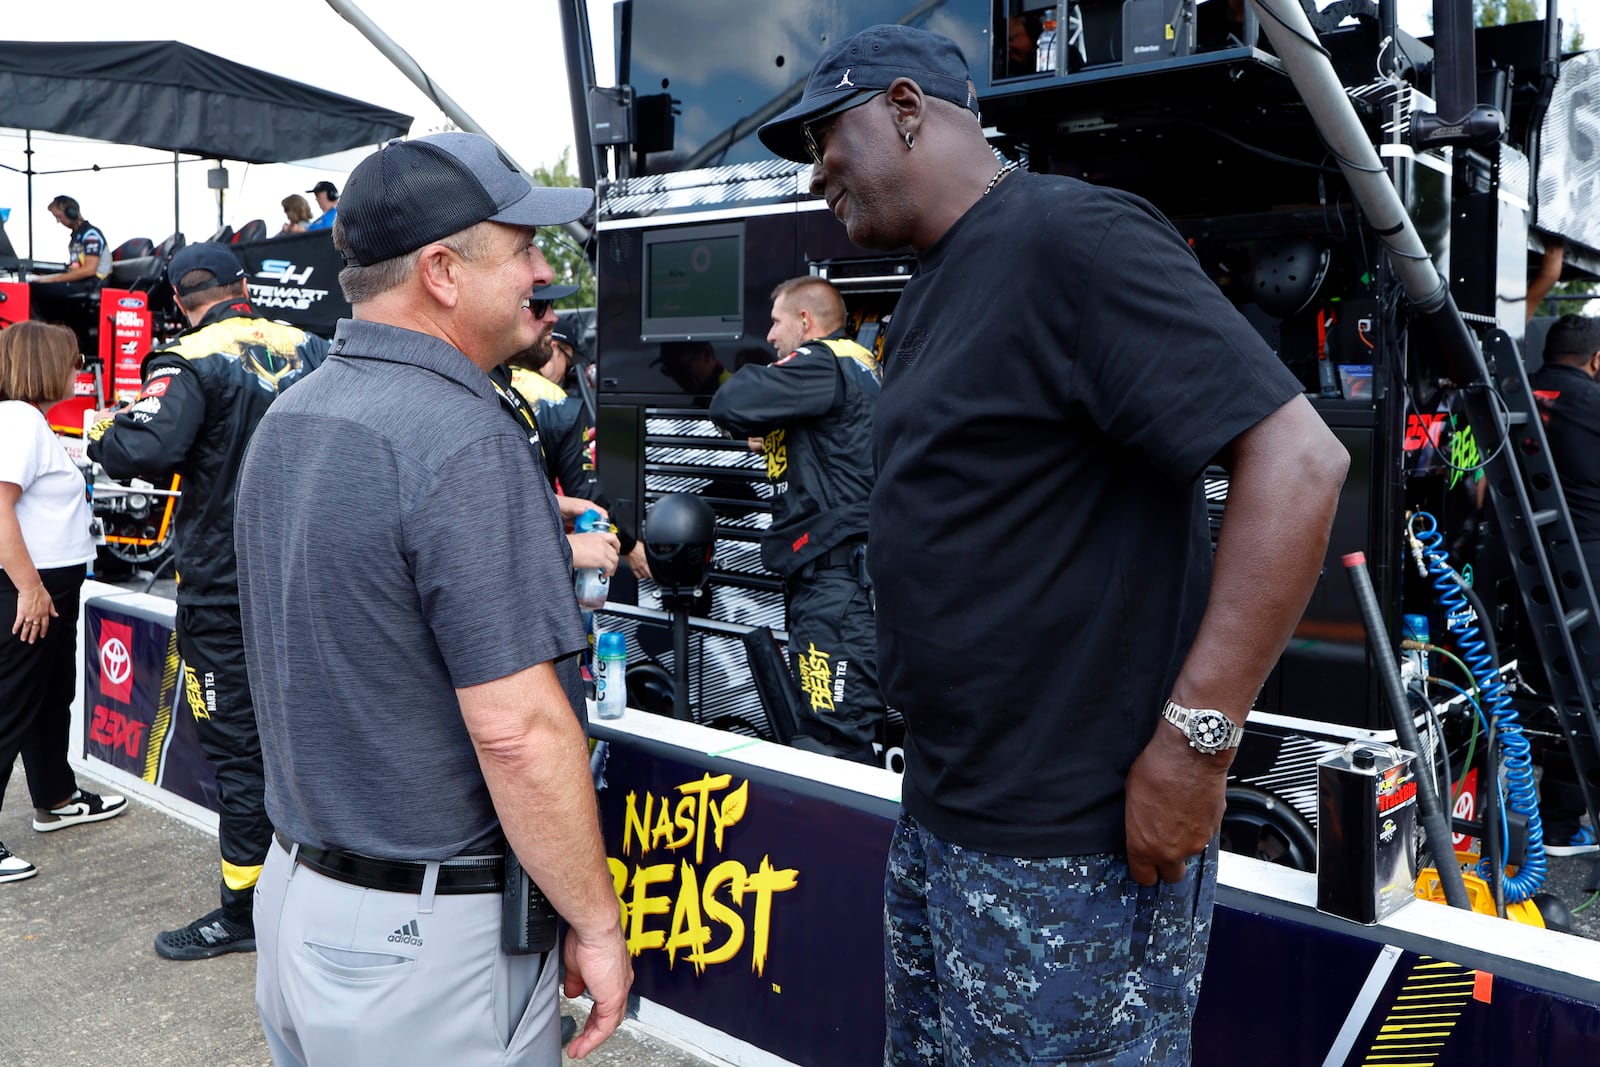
(765, 882)
(619, 884)
(688, 929)
(701, 791)
(776, 454)
(684, 819)
(641, 905)
(633, 825)
(661, 833)
(816, 678)
(732, 873)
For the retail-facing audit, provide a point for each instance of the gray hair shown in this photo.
(361, 284)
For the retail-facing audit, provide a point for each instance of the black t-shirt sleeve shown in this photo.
(1165, 365)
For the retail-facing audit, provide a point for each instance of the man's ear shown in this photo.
(439, 273)
(910, 106)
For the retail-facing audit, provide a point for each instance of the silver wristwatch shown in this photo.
(1207, 729)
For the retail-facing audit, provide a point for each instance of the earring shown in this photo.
(911, 142)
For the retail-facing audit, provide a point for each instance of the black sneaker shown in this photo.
(14, 868)
(83, 807)
(210, 935)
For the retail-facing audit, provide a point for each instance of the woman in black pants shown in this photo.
(44, 545)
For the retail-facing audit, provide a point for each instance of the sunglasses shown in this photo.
(539, 307)
(815, 130)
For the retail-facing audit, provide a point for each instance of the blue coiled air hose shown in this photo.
(1462, 620)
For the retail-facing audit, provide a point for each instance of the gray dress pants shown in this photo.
(351, 977)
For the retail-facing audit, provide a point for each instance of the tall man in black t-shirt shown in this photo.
(1057, 374)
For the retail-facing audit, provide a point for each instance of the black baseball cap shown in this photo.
(569, 331)
(412, 193)
(871, 61)
(325, 187)
(554, 293)
(217, 260)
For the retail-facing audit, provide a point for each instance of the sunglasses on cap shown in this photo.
(814, 131)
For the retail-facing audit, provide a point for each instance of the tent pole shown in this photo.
(175, 226)
(28, 152)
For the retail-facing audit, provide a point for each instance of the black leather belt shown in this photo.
(398, 876)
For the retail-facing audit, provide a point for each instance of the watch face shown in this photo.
(1210, 730)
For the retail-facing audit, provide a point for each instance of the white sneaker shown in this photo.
(83, 807)
(14, 868)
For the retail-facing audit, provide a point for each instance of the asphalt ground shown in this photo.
(81, 984)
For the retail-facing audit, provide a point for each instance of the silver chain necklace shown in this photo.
(1001, 173)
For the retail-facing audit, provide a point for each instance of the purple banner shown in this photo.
(750, 907)
(135, 717)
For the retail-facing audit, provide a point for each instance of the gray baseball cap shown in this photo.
(412, 193)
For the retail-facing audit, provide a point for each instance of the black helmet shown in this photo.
(680, 534)
(1287, 273)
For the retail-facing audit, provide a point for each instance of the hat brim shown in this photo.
(783, 135)
(554, 292)
(547, 206)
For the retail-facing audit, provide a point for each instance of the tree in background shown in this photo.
(1506, 12)
(566, 258)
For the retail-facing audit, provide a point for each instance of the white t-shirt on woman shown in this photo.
(53, 510)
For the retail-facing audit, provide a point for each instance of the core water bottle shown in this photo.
(610, 675)
(591, 583)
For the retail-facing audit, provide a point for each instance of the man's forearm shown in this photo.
(538, 774)
(1283, 489)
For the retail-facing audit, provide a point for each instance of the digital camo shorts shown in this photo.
(1005, 960)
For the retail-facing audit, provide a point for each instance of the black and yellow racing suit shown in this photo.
(563, 440)
(203, 396)
(813, 410)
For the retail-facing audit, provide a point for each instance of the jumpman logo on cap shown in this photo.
(844, 81)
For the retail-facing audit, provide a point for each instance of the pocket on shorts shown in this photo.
(1164, 929)
(354, 965)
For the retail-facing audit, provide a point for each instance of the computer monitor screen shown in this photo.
(694, 284)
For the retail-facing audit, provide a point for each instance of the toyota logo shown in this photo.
(115, 661)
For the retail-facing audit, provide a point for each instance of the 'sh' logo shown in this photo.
(844, 81)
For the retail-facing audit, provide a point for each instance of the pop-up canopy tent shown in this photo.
(167, 95)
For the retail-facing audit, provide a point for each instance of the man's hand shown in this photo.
(638, 563)
(754, 444)
(574, 506)
(1175, 797)
(603, 968)
(595, 550)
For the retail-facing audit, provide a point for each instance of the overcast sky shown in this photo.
(501, 60)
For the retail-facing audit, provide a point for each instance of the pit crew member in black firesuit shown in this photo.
(813, 410)
(1568, 393)
(560, 437)
(203, 395)
(58, 297)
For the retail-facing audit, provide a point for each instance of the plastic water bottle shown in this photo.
(591, 583)
(610, 676)
(1044, 55)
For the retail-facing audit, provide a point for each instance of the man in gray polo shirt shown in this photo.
(412, 642)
